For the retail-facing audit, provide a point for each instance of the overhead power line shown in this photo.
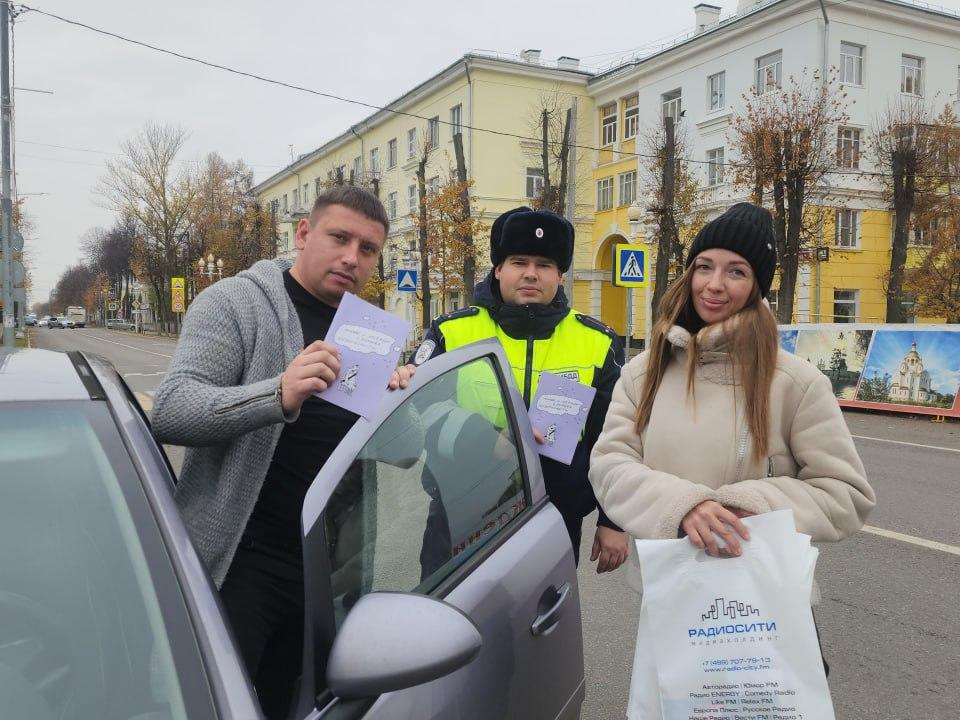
(380, 108)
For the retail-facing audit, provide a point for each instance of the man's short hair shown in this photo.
(357, 199)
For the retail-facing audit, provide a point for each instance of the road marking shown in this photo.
(146, 400)
(929, 544)
(97, 338)
(901, 442)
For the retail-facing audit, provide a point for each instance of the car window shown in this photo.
(439, 480)
(92, 622)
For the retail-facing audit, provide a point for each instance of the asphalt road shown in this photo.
(890, 616)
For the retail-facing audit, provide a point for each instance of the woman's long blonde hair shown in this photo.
(753, 349)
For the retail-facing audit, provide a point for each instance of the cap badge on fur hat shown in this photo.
(539, 232)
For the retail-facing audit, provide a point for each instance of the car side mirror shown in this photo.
(391, 641)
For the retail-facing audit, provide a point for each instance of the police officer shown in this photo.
(521, 302)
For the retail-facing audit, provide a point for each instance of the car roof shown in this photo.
(34, 374)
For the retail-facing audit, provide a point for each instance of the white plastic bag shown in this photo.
(729, 638)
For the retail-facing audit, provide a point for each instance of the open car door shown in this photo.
(438, 506)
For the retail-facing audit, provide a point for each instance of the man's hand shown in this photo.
(401, 377)
(611, 546)
(538, 436)
(312, 371)
(707, 520)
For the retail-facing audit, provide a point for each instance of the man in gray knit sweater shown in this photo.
(240, 396)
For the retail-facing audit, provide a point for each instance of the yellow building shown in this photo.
(476, 94)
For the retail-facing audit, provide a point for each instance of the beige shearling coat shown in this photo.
(699, 448)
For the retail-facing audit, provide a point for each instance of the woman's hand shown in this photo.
(709, 519)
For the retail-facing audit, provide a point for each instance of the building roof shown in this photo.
(398, 105)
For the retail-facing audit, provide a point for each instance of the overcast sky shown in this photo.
(104, 90)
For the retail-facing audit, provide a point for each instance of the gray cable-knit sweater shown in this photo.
(220, 400)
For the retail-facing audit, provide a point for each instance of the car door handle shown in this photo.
(553, 598)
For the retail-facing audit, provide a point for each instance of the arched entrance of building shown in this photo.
(613, 299)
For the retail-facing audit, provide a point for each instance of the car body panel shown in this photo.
(39, 375)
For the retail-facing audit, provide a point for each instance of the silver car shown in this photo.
(439, 580)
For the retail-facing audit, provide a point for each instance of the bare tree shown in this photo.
(145, 184)
(904, 147)
(676, 197)
(552, 124)
(785, 138)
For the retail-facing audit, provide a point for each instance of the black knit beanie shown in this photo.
(747, 230)
(525, 231)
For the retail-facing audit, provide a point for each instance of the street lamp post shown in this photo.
(210, 267)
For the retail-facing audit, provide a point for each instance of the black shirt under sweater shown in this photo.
(304, 445)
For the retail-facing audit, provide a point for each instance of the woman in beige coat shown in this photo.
(715, 422)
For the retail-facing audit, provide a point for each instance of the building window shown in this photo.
(433, 132)
(357, 168)
(433, 185)
(922, 234)
(851, 63)
(453, 301)
(631, 117)
(628, 187)
(715, 166)
(848, 228)
(608, 124)
(412, 142)
(286, 241)
(911, 75)
(392, 154)
(605, 194)
(769, 72)
(848, 148)
(412, 198)
(392, 205)
(671, 104)
(534, 182)
(845, 304)
(456, 120)
(375, 162)
(318, 187)
(306, 195)
(285, 207)
(296, 200)
(716, 91)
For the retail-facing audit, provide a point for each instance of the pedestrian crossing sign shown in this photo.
(406, 280)
(631, 265)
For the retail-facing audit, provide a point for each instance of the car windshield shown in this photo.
(85, 609)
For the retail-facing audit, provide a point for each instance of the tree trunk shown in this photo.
(560, 206)
(469, 257)
(904, 197)
(422, 238)
(666, 240)
(545, 159)
(785, 293)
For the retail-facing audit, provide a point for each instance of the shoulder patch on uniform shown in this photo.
(593, 323)
(462, 312)
(424, 352)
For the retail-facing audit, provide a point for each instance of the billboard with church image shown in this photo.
(900, 368)
(915, 368)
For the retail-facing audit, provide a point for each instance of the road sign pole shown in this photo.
(629, 327)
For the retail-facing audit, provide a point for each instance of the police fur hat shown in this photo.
(525, 231)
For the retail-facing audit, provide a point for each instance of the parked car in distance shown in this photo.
(46, 321)
(62, 322)
(404, 618)
(120, 324)
(30, 320)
